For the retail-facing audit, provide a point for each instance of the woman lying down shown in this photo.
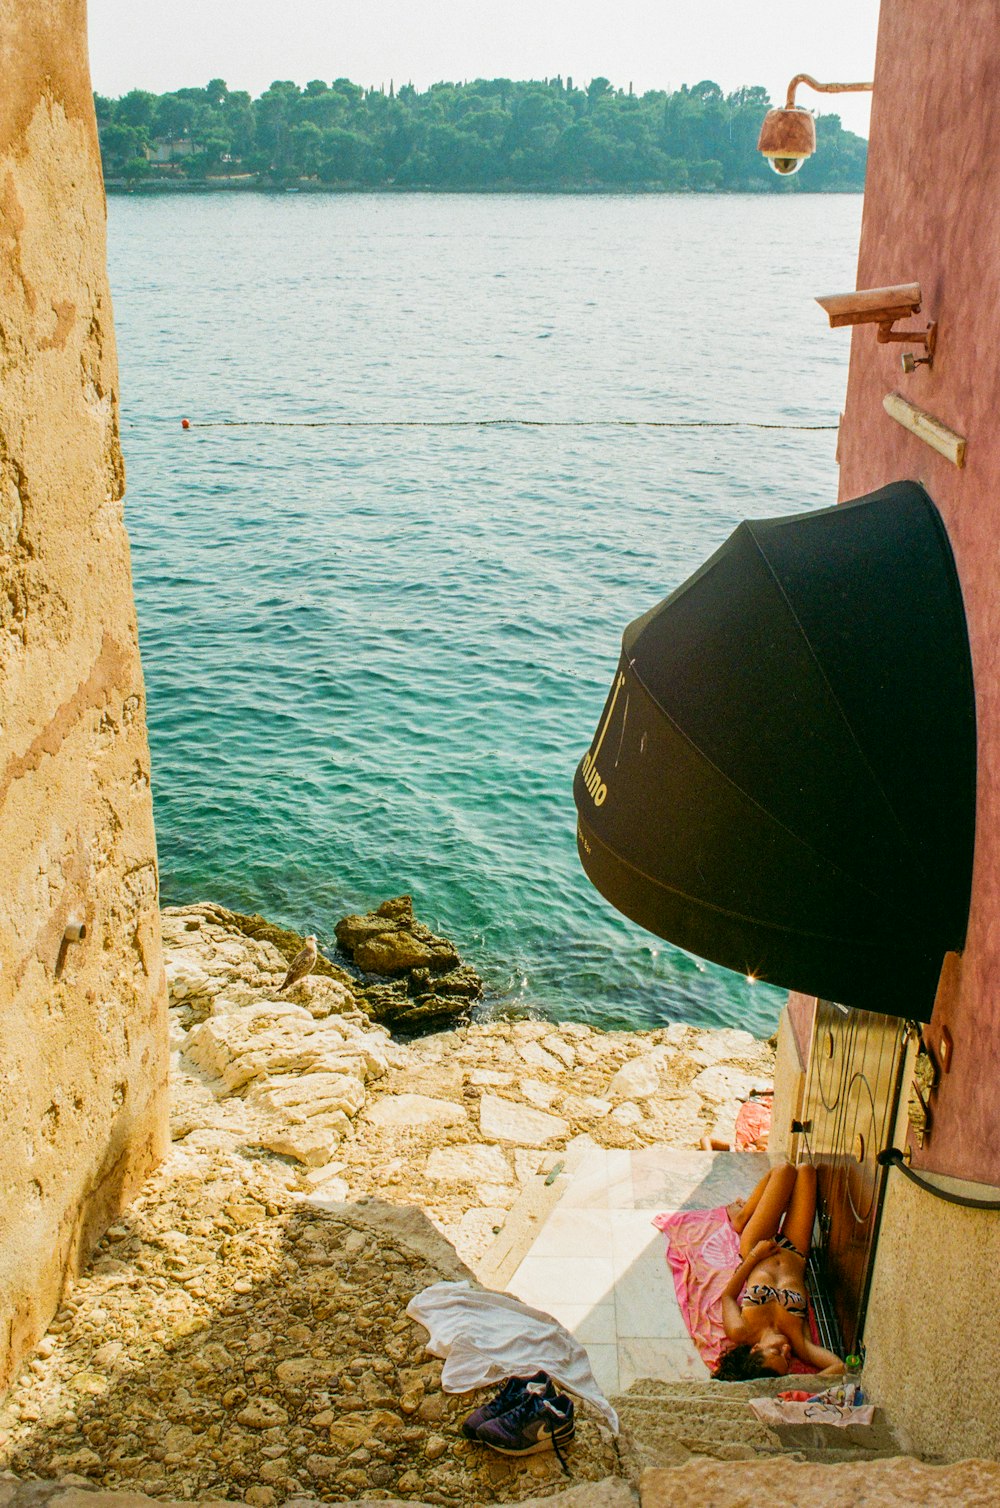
(771, 1323)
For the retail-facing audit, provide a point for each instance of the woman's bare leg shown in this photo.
(801, 1209)
(771, 1203)
(741, 1209)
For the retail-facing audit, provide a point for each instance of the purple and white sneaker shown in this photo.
(509, 1396)
(535, 1424)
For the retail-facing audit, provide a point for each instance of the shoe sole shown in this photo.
(561, 1437)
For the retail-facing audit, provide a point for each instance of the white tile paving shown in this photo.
(598, 1264)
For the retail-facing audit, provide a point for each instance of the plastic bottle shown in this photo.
(853, 1391)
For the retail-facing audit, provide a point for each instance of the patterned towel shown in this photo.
(702, 1251)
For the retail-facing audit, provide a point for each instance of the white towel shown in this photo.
(486, 1337)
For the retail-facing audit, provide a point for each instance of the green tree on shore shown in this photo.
(487, 133)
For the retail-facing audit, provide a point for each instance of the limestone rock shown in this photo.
(410, 1014)
(272, 1039)
(611, 1492)
(304, 1097)
(560, 1048)
(394, 919)
(285, 942)
(404, 1110)
(392, 953)
(503, 1120)
(627, 1114)
(473, 1163)
(636, 1080)
(538, 1094)
(722, 1083)
(321, 997)
(262, 1413)
(722, 1043)
(312, 1145)
(306, 1371)
(534, 1054)
(426, 986)
(898, 1482)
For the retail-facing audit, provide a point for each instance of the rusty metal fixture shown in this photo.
(918, 1112)
(883, 307)
(788, 136)
(75, 931)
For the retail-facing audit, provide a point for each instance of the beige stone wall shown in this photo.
(933, 1326)
(83, 1060)
(789, 1087)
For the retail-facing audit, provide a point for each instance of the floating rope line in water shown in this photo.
(493, 424)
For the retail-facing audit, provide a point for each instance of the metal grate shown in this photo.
(822, 1304)
(855, 1076)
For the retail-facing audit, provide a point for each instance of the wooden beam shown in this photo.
(926, 427)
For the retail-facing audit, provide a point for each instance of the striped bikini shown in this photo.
(790, 1299)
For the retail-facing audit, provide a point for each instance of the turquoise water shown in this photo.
(374, 656)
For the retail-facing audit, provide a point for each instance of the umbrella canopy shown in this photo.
(784, 776)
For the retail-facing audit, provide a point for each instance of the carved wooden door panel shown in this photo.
(852, 1097)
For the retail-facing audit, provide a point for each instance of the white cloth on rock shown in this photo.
(485, 1337)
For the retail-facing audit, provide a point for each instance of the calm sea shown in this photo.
(374, 656)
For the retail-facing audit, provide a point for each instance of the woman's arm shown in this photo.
(758, 1254)
(732, 1319)
(826, 1363)
(732, 1316)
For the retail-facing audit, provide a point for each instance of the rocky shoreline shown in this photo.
(241, 1333)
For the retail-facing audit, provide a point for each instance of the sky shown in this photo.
(652, 44)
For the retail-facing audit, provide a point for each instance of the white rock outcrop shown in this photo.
(502, 1120)
(458, 1123)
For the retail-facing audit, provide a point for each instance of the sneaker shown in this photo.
(508, 1397)
(535, 1424)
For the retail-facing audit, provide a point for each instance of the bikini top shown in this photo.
(790, 1299)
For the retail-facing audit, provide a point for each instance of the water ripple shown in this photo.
(373, 658)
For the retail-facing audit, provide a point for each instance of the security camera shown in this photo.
(882, 307)
(871, 306)
(787, 138)
(786, 166)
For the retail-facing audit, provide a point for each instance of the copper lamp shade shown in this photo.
(787, 138)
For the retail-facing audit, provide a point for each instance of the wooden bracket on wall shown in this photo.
(926, 427)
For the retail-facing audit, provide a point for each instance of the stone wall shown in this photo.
(83, 1067)
(933, 1330)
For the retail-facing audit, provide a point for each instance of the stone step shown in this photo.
(668, 1423)
(897, 1483)
(742, 1428)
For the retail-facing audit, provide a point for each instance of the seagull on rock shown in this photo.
(302, 964)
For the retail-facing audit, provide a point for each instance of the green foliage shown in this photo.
(489, 133)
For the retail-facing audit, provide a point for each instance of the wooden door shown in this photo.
(851, 1101)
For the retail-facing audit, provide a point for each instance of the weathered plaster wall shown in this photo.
(933, 1325)
(790, 1060)
(930, 216)
(83, 1061)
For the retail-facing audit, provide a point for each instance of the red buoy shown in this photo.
(185, 424)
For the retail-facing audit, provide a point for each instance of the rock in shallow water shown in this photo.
(428, 987)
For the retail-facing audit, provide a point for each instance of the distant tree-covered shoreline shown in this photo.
(484, 135)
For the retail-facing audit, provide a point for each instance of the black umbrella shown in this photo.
(784, 776)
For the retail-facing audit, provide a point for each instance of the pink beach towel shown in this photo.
(702, 1251)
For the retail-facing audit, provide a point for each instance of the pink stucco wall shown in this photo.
(931, 216)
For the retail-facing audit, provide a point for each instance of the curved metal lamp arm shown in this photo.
(806, 78)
